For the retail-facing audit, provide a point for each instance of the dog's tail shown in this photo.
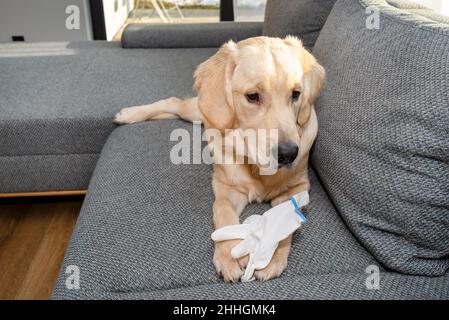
(171, 108)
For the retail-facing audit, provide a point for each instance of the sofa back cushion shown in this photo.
(187, 35)
(382, 150)
(301, 18)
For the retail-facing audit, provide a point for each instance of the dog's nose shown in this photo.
(287, 153)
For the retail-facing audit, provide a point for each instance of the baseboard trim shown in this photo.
(43, 193)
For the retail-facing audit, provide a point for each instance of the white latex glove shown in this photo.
(261, 234)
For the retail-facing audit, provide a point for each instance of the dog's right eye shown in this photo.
(295, 95)
(252, 97)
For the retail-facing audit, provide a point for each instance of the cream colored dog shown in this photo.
(258, 83)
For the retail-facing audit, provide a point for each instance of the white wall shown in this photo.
(42, 20)
(441, 6)
(445, 8)
(115, 19)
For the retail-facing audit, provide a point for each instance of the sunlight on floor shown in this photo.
(22, 49)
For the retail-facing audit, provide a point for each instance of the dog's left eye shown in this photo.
(295, 95)
(252, 97)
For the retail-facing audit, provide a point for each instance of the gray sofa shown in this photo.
(378, 169)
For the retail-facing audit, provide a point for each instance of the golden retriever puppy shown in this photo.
(257, 83)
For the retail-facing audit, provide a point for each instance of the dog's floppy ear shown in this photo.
(213, 79)
(312, 80)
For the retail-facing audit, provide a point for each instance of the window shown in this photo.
(119, 13)
(178, 11)
(249, 10)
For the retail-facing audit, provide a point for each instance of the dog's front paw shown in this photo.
(229, 268)
(274, 269)
(129, 115)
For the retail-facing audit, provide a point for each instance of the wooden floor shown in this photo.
(34, 233)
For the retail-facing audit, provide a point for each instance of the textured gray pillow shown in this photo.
(302, 18)
(382, 150)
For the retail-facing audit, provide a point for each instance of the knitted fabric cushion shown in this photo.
(382, 150)
(145, 226)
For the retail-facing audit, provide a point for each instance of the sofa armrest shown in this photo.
(188, 35)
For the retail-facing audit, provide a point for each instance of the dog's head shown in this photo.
(261, 83)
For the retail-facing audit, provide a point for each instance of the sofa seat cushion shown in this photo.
(382, 149)
(144, 232)
(60, 98)
(36, 173)
(332, 286)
